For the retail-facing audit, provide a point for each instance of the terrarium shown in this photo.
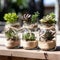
(11, 20)
(29, 40)
(30, 21)
(47, 34)
(34, 21)
(12, 38)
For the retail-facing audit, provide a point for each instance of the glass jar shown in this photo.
(15, 25)
(47, 37)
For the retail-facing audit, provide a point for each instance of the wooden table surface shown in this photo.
(34, 54)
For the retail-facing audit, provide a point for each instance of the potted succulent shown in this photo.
(30, 21)
(48, 21)
(11, 20)
(29, 41)
(47, 40)
(47, 32)
(34, 20)
(13, 40)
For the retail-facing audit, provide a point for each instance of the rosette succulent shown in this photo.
(49, 19)
(10, 17)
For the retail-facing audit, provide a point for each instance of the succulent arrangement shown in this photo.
(49, 19)
(47, 37)
(29, 40)
(11, 17)
(11, 34)
(30, 18)
(29, 36)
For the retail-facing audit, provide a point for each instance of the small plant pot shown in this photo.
(49, 45)
(12, 44)
(30, 44)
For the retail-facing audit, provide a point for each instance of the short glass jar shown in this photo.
(47, 37)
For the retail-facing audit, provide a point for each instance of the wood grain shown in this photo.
(21, 54)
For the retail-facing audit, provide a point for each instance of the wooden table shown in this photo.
(21, 54)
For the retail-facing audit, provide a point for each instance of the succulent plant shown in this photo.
(11, 34)
(48, 35)
(30, 18)
(26, 17)
(34, 17)
(28, 36)
(49, 19)
(10, 17)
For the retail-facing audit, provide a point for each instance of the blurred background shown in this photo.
(44, 7)
(26, 6)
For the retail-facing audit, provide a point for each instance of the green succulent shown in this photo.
(49, 19)
(34, 17)
(11, 34)
(28, 37)
(10, 17)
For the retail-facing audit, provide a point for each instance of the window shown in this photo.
(49, 2)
